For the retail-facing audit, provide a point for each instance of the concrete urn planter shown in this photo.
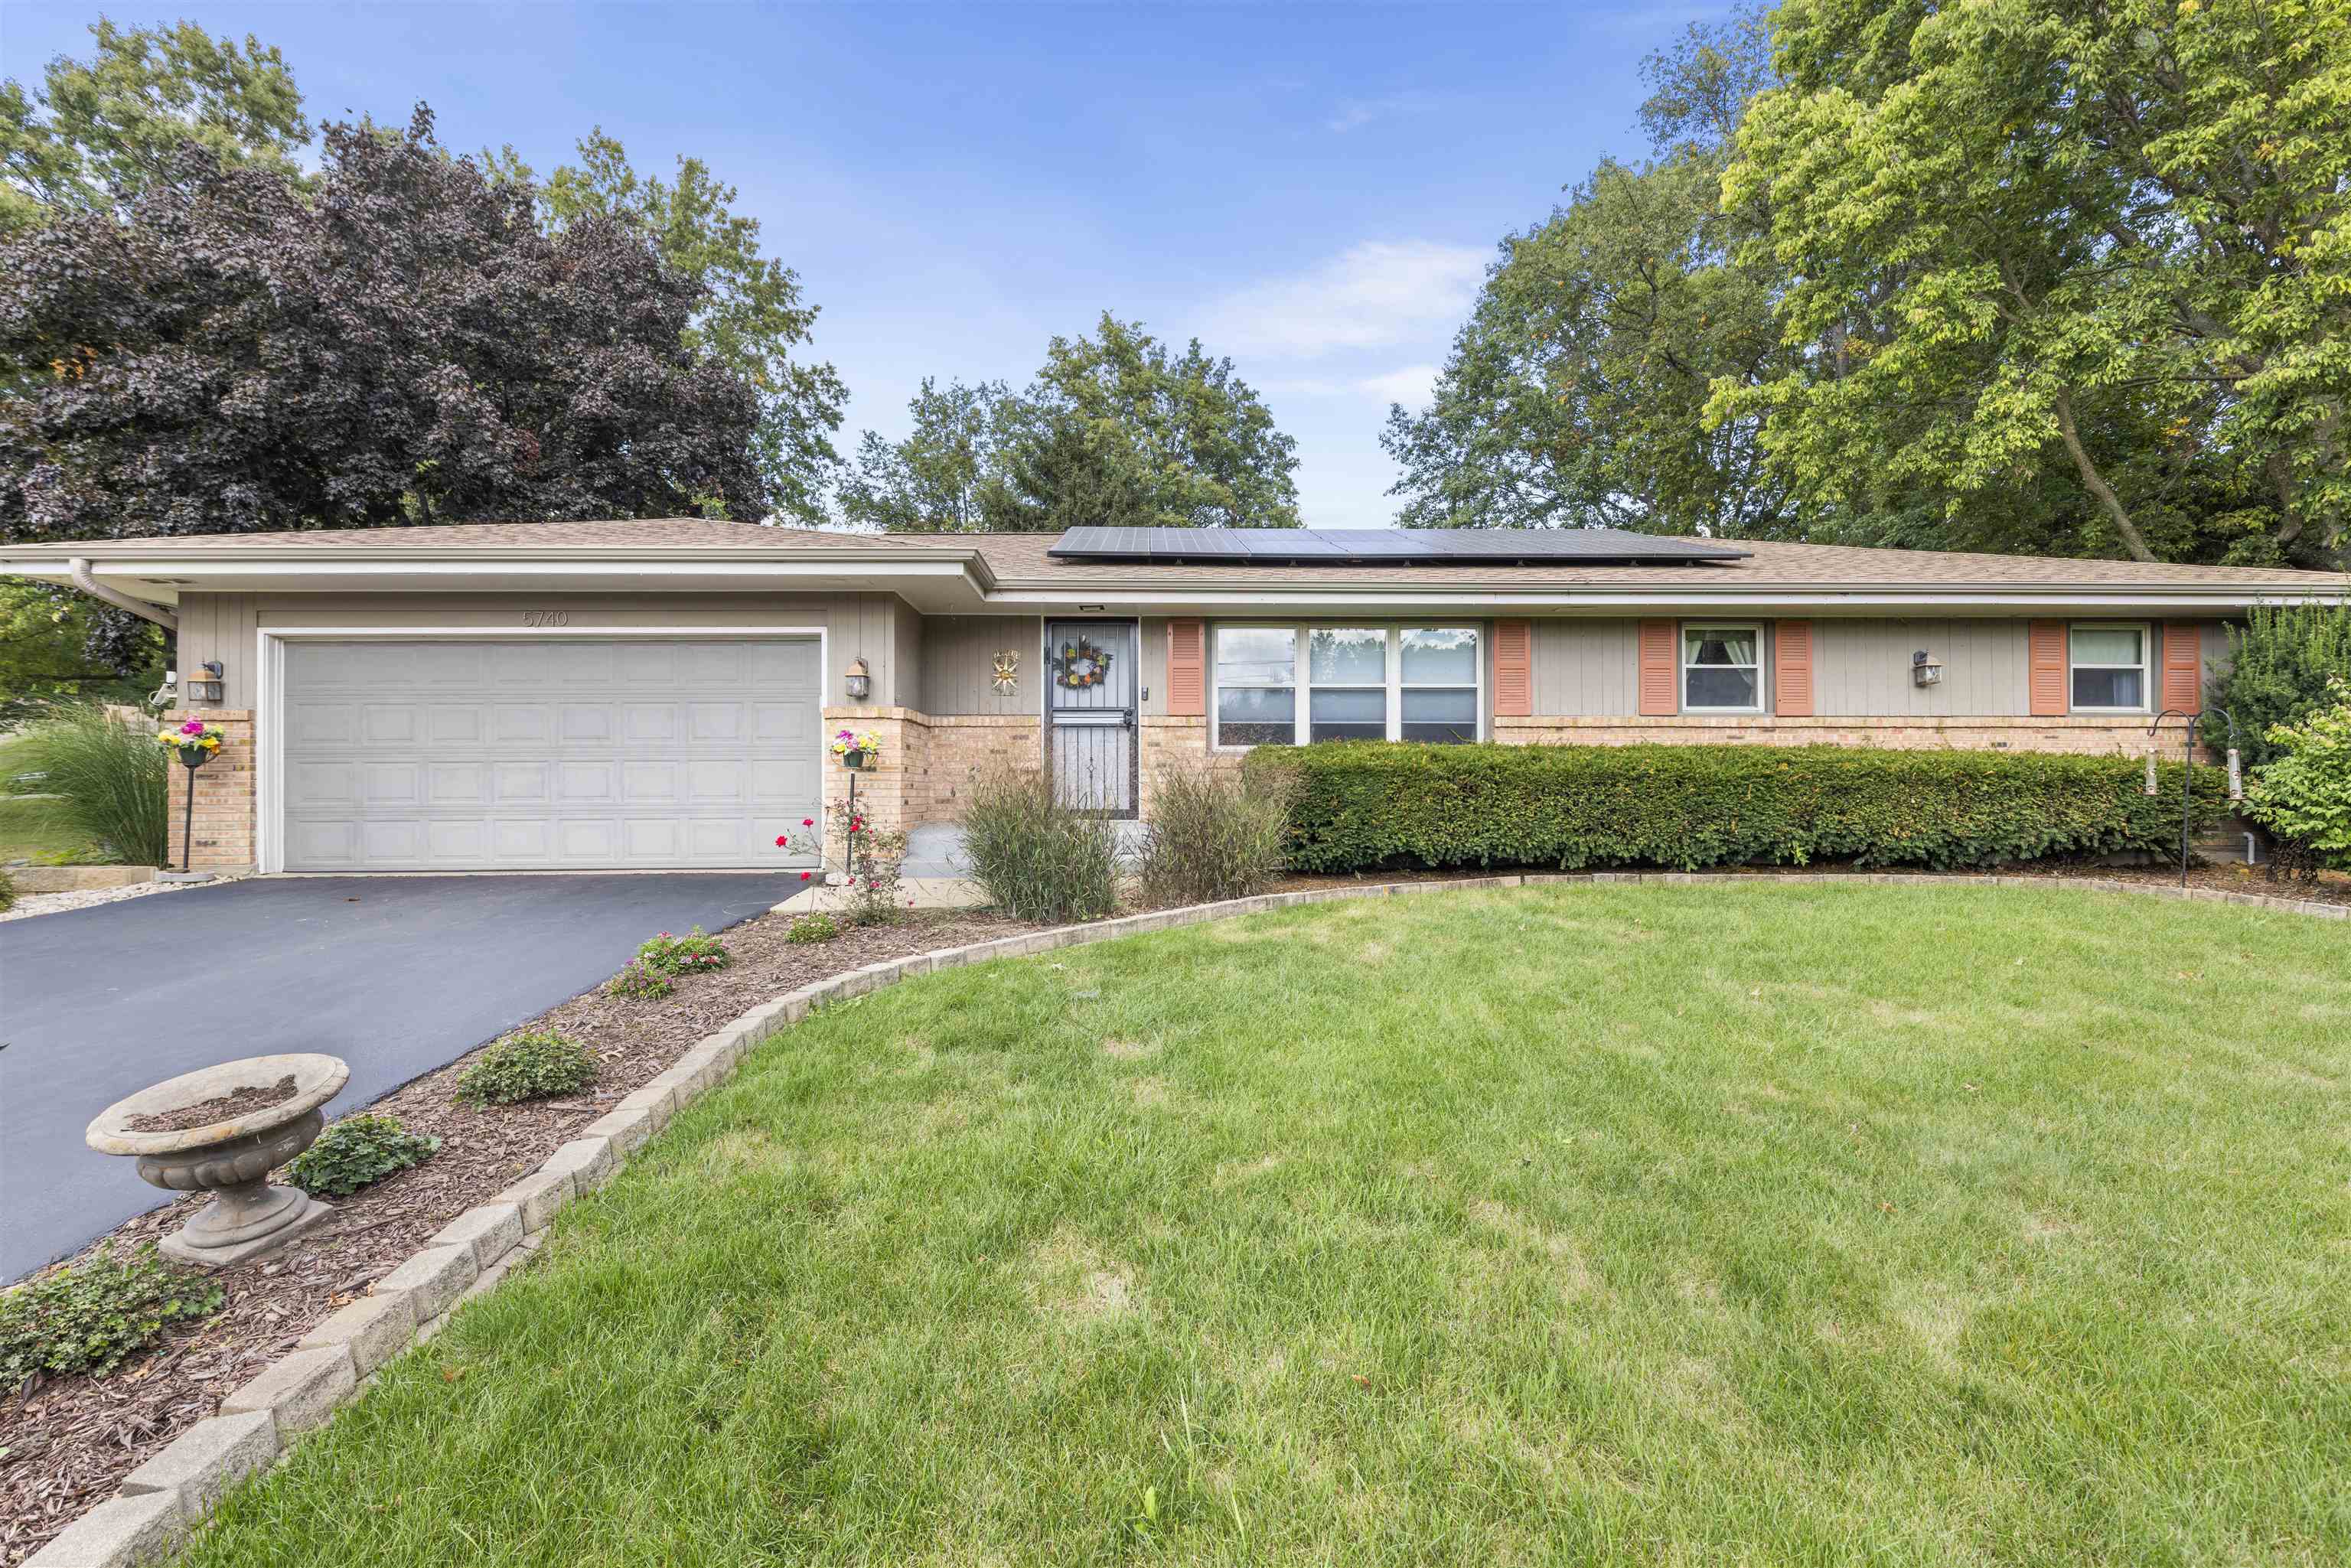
(231, 1159)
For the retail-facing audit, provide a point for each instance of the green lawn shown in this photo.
(29, 828)
(1682, 1225)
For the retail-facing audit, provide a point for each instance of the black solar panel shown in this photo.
(1386, 547)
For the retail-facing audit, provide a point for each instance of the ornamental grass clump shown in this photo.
(109, 780)
(93, 1316)
(534, 1066)
(1215, 832)
(1035, 857)
(356, 1151)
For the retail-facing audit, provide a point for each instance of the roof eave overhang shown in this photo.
(1604, 598)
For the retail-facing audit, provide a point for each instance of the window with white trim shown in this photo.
(1290, 685)
(1722, 669)
(2106, 668)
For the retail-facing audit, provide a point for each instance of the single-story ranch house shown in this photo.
(661, 692)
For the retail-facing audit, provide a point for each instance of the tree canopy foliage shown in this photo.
(400, 343)
(2068, 277)
(1117, 430)
(101, 131)
(753, 317)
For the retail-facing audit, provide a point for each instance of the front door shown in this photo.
(1090, 713)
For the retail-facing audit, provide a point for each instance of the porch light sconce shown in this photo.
(206, 688)
(859, 680)
(1926, 669)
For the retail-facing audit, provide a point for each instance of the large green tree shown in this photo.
(754, 317)
(1117, 430)
(97, 132)
(1577, 393)
(2093, 255)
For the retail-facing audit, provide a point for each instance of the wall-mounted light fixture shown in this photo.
(1926, 669)
(204, 688)
(859, 680)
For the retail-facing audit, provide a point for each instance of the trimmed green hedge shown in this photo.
(1364, 807)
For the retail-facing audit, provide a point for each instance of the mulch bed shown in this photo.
(220, 1108)
(69, 1443)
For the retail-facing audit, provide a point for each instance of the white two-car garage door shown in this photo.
(447, 754)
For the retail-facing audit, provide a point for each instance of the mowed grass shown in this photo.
(1655, 1224)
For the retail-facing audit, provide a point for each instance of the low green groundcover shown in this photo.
(1798, 1224)
(1359, 807)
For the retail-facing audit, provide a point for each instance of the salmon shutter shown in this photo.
(2183, 666)
(1791, 669)
(1514, 669)
(1185, 669)
(2046, 642)
(1660, 671)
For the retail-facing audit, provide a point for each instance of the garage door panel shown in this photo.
(567, 754)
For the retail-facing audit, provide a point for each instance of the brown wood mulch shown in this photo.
(65, 1446)
(219, 1108)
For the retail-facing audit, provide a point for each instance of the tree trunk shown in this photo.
(2132, 540)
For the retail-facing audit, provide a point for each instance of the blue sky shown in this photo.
(1313, 190)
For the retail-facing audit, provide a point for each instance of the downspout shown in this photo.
(119, 599)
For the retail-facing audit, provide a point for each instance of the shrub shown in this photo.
(2280, 662)
(7, 890)
(110, 777)
(1361, 807)
(527, 1067)
(691, 954)
(639, 982)
(358, 1152)
(93, 1315)
(812, 928)
(1215, 832)
(1035, 857)
(2304, 794)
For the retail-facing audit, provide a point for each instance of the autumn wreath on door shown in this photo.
(1081, 666)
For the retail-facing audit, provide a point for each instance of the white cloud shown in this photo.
(1354, 113)
(1412, 386)
(1375, 296)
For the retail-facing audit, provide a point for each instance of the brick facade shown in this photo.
(224, 814)
(926, 760)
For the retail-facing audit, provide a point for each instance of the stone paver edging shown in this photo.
(164, 1498)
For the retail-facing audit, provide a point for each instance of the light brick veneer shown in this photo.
(927, 759)
(2100, 735)
(224, 818)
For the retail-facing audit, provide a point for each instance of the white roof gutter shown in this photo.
(80, 571)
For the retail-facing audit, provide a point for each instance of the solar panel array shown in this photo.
(1384, 547)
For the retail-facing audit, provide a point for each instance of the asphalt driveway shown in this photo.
(396, 975)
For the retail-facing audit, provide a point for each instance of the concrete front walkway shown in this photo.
(937, 872)
(397, 975)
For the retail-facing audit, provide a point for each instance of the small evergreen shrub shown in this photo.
(94, 1315)
(639, 982)
(812, 928)
(358, 1152)
(1215, 832)
(2280, 662)
(2302, 795)
(527, 1067)
(692, 954)
(1034, 857)
(1366, 808)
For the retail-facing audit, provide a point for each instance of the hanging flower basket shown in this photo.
(856, 750)
(195, 741)
(1079, 665)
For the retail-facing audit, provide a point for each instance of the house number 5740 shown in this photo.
(547, 617)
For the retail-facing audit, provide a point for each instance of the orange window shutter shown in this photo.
(2183, 666)
(1791, 669)
(1187, 669)
(2045, 643)
(1660, 669)
(1514, 669)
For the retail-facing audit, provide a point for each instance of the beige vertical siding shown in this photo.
(905, 656)
(860, 625)
(958, 665)
(1585, 669)
(1862, 668)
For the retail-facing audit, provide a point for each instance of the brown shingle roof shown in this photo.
(612, 533)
